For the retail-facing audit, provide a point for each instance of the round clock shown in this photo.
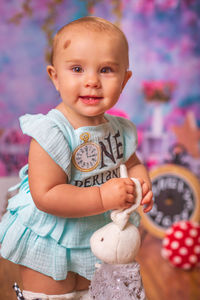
(86, 157)
(176, 197)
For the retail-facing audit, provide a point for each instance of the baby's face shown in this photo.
(89, 72)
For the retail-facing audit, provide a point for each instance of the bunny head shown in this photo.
(115, 246)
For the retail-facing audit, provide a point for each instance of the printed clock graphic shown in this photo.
(176, 197)
(86, 157)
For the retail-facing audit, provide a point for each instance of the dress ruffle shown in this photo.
(23, 246)
(65, 231)
(46, 131)
(44, 242)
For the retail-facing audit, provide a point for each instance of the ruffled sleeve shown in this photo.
(130, 137)
(50, 137)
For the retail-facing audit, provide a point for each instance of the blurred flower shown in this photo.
(13, 151)
(118, 112)
(158, 90)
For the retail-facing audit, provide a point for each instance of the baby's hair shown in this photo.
(92, 23)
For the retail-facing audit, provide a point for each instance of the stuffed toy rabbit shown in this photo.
(116, 245)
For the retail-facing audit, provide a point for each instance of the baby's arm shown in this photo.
(52, 194)
(137, 169)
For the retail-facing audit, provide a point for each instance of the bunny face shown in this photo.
(115, 246)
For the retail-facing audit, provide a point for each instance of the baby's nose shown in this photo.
(92, 80)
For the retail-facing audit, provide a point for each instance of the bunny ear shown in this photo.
(138, 198)
(121, 217)
(124, 174)
(123, 171)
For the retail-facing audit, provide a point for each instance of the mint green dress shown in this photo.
(89, 156)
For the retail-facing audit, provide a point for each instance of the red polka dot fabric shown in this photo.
(181, 245)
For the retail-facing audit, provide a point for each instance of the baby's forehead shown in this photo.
(79, 30)
(76, 32)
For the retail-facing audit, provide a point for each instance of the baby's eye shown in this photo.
(77, 69)
(106, 70)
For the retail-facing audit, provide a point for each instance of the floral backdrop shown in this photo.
(162, 98)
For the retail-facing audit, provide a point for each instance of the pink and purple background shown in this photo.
(164, 45)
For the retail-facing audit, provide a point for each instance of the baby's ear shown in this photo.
(53, 75)
(127, 76)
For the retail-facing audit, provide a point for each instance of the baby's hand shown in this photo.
(147, 196)
(118, 193)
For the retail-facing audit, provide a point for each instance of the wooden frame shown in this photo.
(182, 174)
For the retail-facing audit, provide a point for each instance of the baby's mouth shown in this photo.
(88, 99)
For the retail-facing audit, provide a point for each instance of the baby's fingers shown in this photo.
(140, 180)
(148, 201)
(130, 199)
(145, 189)
(130, 189)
